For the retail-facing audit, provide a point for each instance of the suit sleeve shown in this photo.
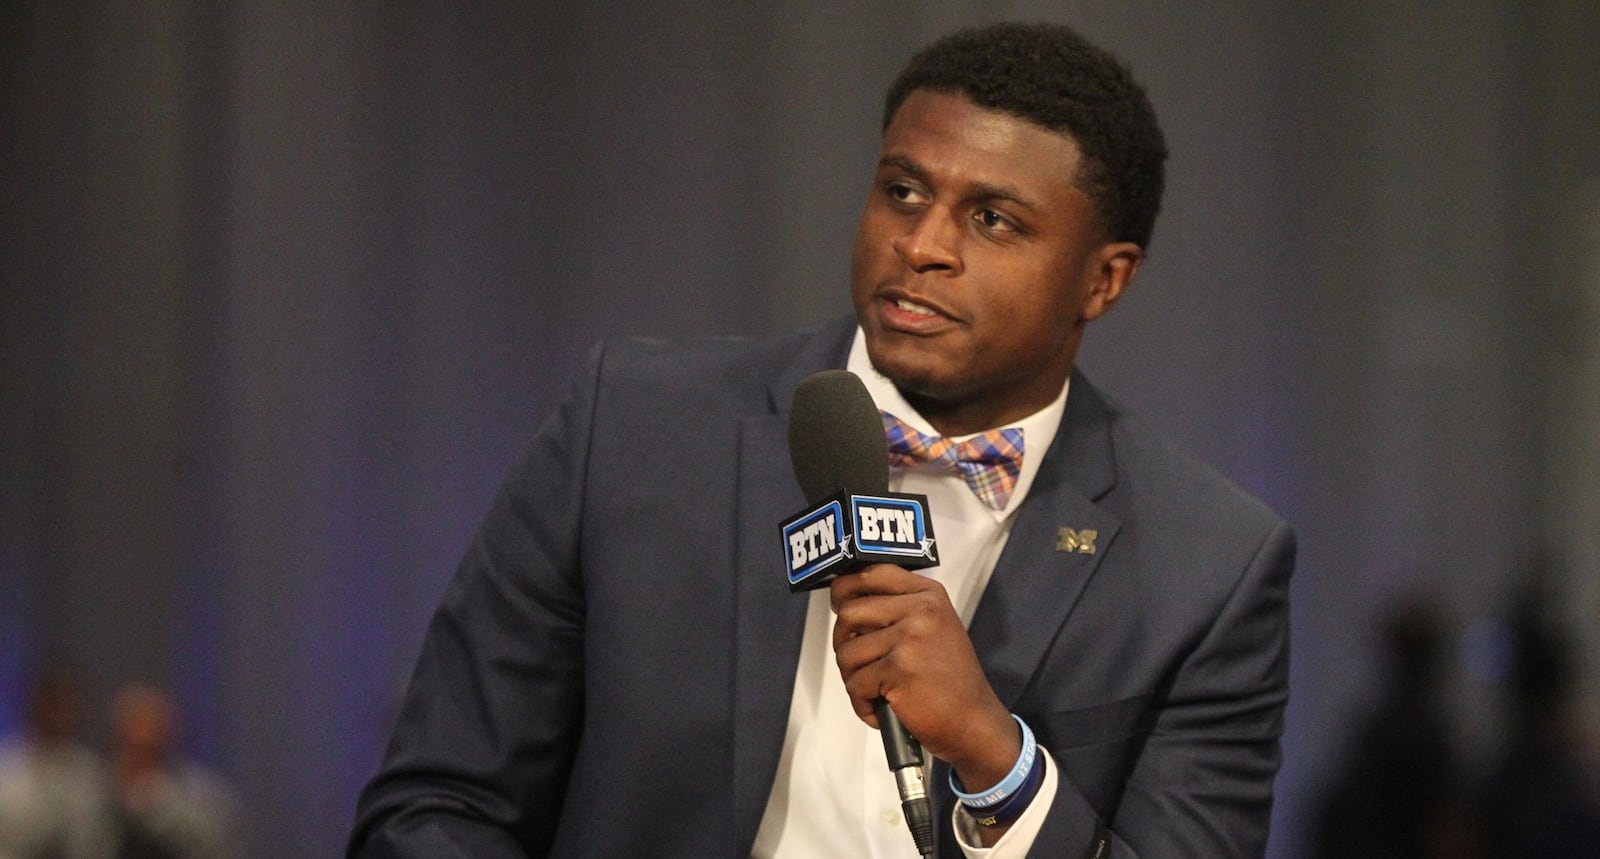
(1202, 784)
(484, 741)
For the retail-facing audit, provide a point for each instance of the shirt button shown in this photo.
(891, 818)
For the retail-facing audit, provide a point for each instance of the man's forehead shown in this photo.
(994, 121)
(935, 132)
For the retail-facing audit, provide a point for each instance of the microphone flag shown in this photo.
(847, 531)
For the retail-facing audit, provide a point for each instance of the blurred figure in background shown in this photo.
(1543, 798)
(1399, 793)
(166, 807)
(52, 787)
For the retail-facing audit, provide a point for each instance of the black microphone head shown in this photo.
(836, 437)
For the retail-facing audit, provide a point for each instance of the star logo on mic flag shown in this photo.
(989, 462)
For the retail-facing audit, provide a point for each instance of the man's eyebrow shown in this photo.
(987, 192)
(981, 191)
(906, 164)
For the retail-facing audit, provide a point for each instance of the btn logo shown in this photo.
(816, 541)
(894, 526)
(888, 525)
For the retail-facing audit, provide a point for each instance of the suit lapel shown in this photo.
(1043, 570)
(770, 621)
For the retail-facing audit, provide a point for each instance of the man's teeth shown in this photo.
(913, 308)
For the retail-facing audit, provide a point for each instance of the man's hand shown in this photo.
(898, 637)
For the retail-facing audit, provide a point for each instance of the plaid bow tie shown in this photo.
(989, 463)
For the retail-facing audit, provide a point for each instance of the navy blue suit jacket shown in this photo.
(609, 673)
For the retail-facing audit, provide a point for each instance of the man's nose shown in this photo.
(931, 243)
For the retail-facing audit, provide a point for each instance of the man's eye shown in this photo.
(903, 193)
(993, 220)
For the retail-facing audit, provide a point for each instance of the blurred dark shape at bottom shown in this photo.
(1400, 792)
(1405, 791)
(1542, 799)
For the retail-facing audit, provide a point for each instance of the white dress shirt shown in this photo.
(834, 795)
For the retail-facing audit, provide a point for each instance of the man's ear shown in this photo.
(1111, 270)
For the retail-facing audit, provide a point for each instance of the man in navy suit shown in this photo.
(1098, 667)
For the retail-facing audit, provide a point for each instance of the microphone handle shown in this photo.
(905, 761)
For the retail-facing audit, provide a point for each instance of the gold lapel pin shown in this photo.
(1070, 540)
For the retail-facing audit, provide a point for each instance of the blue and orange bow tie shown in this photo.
(989, 462)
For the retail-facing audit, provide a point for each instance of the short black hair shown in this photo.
(1050, 75)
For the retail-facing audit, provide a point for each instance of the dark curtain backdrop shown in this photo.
(286, 287)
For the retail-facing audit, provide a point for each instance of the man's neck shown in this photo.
(963, 419)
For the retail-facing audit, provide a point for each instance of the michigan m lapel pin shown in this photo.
(1070, 540)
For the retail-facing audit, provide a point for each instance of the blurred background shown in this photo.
(285, 288)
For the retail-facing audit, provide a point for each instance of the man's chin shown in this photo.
(898, 366)
(914, 382)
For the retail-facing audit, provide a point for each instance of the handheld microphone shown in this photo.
(841, 460)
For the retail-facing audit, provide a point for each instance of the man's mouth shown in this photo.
(913, 307)
(912, 314)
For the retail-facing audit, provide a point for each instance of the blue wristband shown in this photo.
(994, 796)
(1009, 809)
